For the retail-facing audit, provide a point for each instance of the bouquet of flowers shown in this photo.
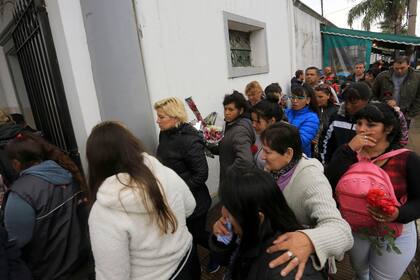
(381, 236)
(211, 134)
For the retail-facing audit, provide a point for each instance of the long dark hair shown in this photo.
(111, 149)
(30, 149)
(248, 192)
(385, 114)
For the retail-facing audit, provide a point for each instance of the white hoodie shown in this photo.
(126, 242)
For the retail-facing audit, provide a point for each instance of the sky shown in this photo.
(336, 11)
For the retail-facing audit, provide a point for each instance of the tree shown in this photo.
(391, 14)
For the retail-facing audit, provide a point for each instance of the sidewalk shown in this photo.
(345, 271)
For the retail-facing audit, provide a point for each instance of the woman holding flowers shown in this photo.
(234, 149)
(378, 132)
(181, 148)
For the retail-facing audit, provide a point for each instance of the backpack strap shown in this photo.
(391, 154)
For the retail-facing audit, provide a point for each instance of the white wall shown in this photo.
(308, 40)
(183, 45)
(117, 66)
(7, 92)
(70, 42)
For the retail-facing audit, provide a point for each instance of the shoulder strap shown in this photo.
(391, 154)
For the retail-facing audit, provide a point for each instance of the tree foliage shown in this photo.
(390, 14)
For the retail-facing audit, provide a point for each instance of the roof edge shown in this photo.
(303, 7)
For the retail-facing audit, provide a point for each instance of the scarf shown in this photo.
(283, 176)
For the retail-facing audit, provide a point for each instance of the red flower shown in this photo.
(254, 149)
(377, 198)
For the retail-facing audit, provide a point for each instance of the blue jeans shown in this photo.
(368, 265)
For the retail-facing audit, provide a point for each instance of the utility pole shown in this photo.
(322, 8)
(412, 14)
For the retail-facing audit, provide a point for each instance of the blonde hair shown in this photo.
(4, 117)
(253, 86)
(173, 107)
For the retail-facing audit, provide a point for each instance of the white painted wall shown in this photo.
(70, 42)
(117, 66)
(7, 92)
(183, 45)
(308, 40)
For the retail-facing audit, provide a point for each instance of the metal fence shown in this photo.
(38, 60)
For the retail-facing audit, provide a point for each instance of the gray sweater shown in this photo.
(309, 195)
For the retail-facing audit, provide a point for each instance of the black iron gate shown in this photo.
(38, 60)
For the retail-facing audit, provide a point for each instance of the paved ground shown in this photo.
(344, 269)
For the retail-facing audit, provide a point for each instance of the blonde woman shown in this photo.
(254, 93)
(137, 222)
(182, 149)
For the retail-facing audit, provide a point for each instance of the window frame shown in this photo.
(258, 38)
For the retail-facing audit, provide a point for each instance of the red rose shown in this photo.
(377, 198)
(254, 149)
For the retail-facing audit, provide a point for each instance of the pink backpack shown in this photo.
(353, 187)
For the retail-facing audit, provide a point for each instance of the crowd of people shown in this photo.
(287, 207)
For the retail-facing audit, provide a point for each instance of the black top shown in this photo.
(11, 266)
(253, 264)
(182, 149)
(341, 130)
(344, 157)
(59, 244)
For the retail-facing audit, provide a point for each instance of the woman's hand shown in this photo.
(382, 217)
(361, 140)
(298, 246)
(219, 227)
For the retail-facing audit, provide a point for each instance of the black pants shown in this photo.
(197, 228)
(191, 269)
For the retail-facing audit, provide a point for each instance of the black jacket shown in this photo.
(11, 266)
(324, 121)
(295, 82)
(341, 130)
(253, 264)
(59, 245)
(352, 78)
(182, 149)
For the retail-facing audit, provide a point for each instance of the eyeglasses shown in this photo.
(299, 97)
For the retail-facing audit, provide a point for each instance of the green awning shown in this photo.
(373, 36)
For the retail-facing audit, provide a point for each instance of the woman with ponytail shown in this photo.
(45, 209)
(263, 114)
(138, 220)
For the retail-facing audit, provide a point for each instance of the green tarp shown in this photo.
(344, 47)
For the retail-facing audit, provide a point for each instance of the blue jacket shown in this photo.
(308, 124)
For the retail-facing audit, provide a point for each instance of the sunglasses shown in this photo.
(300, 97)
